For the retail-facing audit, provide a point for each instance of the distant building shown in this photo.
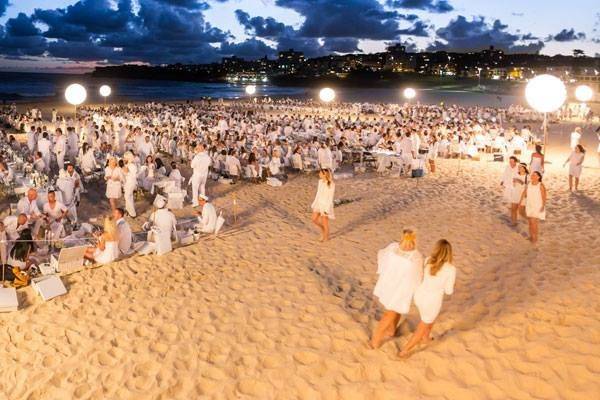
(290, 61)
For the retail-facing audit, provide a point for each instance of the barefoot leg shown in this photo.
(325, 224)
(386, 320)
(421, 331)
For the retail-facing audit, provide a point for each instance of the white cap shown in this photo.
(160, 201)
(203, 196)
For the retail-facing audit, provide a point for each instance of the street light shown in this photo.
(584, 93)
(410, 93)
(250, 90)
(327, 95)
(75, 95)
(545, 94)
(105, 91)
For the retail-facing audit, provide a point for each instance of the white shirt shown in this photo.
(55, 212)
(125, 237)
(575, 138)
(164, 220)
(325, 158)
(24, 206)
(200, 164)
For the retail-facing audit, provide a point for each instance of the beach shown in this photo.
(266, 311)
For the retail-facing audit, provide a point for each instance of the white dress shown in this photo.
(507, 179)
(534, 202)
(518, 188)
(400, 273)
(323, 203)
(574, 168)
(113, 188)
(429, 296)
(108, 255)
(536, 165)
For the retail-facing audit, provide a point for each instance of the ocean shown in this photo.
(39, 86)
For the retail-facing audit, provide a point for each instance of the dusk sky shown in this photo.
(68, 35)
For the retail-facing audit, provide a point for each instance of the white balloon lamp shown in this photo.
(327, 95)
(105, 91)
(410, 93)
(546, 93)
(584, 93)
(75, 95)
(250, 90)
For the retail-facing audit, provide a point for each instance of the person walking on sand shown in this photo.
(400, 269)
(439, 277)
(519, 183)
(322, 206)
(535, 206)
(575, 161)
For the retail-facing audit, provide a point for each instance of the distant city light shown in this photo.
(327, 95)
(250, 90)
(75, 94)
(105, 90)
(584, 93)
(410, 93)
(546, 93)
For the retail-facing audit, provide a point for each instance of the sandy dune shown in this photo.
(268, 312)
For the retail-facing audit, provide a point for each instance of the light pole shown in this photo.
(479, 77)
(75, 95)
(546, 94)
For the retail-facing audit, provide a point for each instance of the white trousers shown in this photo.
(60, 160)
(198, 187)
(129, 200)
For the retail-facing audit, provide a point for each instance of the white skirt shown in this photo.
(113, 189)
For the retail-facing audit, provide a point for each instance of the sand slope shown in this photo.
(268, 312)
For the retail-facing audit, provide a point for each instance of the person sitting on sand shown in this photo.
(123, 230)
(162, 226)
(400, 269)
(107, 248)
(207, 217)
(439, 277)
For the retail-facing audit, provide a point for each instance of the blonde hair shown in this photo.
(409, 238)
(328, 176)
(441, 254)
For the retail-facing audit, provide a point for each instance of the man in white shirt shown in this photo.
(72, 144)
(38, 162)
(408, 153)
(166, 226)
(31, 139)
(14, 225)
(200, 164)
(55, 213)
(575, 137)
(124, 231)
(60, 148)
(28, 206)
(207, 217)
(324, 157)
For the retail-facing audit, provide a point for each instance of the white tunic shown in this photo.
(576, 164)
(534, 202)
(430, 293)
(114, 177)
(400, 273)
(323, 203)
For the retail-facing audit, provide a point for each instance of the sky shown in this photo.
(77, 35)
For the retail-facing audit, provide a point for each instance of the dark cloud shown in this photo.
(418, 29)
(262, 27)
(341, 45)
(462, 35)
(249, 49)
(361, 19)
(435, 6)
(190, 4)
(3, 6)
(566, 35)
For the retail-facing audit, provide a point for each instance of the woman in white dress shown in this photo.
(519, 183)
(114, 179)
(535, 206)
(322, 206)
(107, 248)
(438, 279)
(400, 269)
(575, 161)
(510, 173)
(537, 160)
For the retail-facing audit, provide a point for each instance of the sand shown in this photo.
(268, 312)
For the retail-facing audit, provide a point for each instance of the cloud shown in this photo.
(566, 35)
(462, 35)
(262, 27)
(341, 45)
(249, 49)
(361, 19)
(435, 6)
(3, 6)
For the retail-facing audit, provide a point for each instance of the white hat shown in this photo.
(160, 201)
(203, 196)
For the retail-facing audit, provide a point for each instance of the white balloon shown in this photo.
(410, 93)
(546, 93)
(584, 93)
(75, 94)
(105, 90)
(250, 89)
(327, 95)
